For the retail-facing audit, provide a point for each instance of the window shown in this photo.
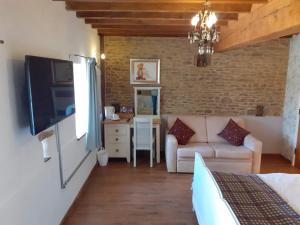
(81, 97)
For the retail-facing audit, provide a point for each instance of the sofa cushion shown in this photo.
(196, 123)
(182, 132)
(228, 151)
(188, 151)
(215, 124)
(233, 133)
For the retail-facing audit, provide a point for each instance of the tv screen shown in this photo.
(50, 90)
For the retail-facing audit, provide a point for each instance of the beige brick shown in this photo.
(234, 84)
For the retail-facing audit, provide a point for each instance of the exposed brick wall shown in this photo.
(233, 84)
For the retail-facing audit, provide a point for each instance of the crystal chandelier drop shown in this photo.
(204, 34)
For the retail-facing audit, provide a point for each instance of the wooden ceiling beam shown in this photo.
(146, 30)
(273, 20)
(143, 27)
(143, 34)
(154, 7)
(173, 1)
(144, 22)
(153, 15)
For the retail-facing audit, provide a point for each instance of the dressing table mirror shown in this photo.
(147, 101)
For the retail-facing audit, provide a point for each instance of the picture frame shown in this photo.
(145, 71)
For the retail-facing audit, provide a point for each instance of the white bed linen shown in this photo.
(208, 202)
(286, 185)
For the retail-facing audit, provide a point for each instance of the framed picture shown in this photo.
(144, 71)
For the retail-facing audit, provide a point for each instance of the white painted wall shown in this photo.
(292, 99)
(30, 192)
(268, 129)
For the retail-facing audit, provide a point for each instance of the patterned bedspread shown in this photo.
(254, 202)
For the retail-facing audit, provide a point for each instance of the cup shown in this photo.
(115, 116)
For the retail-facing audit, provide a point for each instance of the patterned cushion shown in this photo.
(181, 131)
(233, 133)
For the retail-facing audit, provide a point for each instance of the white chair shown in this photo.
(143, 137)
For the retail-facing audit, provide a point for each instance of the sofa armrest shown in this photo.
(171, 152)
(256, 146)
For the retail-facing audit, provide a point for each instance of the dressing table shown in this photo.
(118, 133)
(118, 136)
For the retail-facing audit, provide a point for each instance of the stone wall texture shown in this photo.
(292, 99)
(234, 84)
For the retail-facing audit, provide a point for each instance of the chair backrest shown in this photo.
(143, 133)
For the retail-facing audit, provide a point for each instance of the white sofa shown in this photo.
(218, 154)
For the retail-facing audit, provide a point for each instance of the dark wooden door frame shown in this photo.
(102, 66)
(103, 85)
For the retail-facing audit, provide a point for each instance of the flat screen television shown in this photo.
(50, 86)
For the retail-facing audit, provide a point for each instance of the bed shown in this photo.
(233, 199)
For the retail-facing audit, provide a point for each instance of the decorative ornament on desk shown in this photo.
(127, 109)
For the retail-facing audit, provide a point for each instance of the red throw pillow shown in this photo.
(233, 133)
(181, 131)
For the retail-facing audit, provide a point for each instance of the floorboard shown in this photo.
(277, 164)
(122, 195)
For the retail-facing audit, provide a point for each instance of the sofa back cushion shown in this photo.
(196, 123)
(215, 124)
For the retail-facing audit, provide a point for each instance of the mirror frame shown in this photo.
(136, 89)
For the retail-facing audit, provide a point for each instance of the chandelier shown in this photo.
(204, 34)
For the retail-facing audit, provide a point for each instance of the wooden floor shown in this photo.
(277, 164)
(122, 195)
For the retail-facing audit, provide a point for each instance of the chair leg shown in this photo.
(151, 157)
(134, 157)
